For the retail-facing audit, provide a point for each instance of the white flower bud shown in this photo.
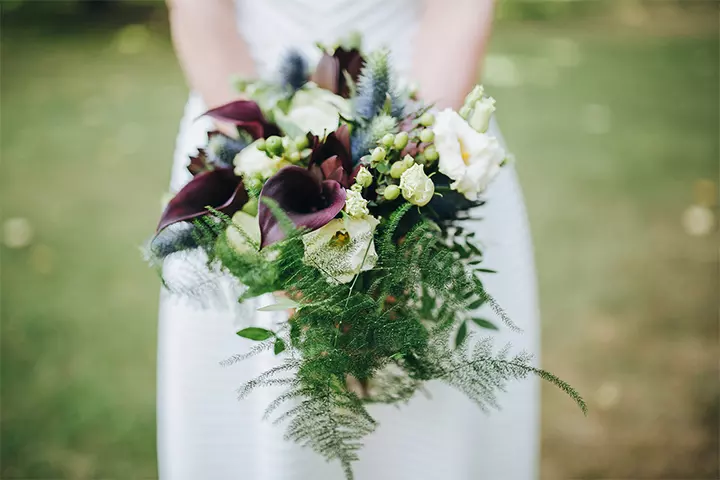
(417, 188)
(431, 154)
(378, 155)
(364, 178)
(388, 139)
(397, 168)
(401, 140)
(426, 119)
(480, 117)
(427, 135)
(391, 192)
(355, 204)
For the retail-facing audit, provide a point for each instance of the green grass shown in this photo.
(628, 298)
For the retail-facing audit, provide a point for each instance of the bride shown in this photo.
(203, 431)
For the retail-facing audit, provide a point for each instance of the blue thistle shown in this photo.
(373, 85)
(293, 70)
(222, 149)
(175, 238)
(375, 89)
(365, 138)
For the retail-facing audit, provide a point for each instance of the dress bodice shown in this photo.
(270, 27)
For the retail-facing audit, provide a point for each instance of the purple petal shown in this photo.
(327, 73)
(220, 189)
(246, 115)
(337, 145)
(306, 201)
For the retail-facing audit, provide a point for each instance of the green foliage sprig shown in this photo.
(387, 332)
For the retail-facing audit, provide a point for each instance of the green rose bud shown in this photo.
(427, 135)
(301, 142)
(409, 161)
(364, 178)
(260, 144)
(274, 145)
(294, 157)
(391, 192)
(398, 168)
(431, 154)
(388, 139)
(378, 155)
(427, 119)
(475, 95)
(401, 140)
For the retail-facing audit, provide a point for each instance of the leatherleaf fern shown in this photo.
(375, 339)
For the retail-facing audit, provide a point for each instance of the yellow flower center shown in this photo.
(463, 152)
(340, 239)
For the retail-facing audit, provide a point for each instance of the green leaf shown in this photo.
(279, 346)
(476, 304)
(428, 302)
(485, 270)
(283, 303)
(461, 250)
(461, 334)
(255, 333)
(482, 323)
(473, 248)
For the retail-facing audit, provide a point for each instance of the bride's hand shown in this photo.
(227, 129)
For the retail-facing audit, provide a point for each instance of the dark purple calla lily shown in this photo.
(307, 200)
(246, 115)
(329, 72)
(219, 188)
(333, 157)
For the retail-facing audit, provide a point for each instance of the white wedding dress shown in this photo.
(204, 432)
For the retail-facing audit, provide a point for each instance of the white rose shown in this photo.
(355, 204)
(470, 158)
(416, 187)
(249, 226)
(313, 110)
(251, 162)
(342, 248)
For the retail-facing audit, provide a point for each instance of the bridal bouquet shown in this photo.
(346, 193)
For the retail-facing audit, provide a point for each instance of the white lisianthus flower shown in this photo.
(343, 248)
(251, 162)
(416, 186)
(470, 158)
(249, 226)
(313, 110)
(355, 204)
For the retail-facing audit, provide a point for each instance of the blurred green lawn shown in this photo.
(611, 132)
